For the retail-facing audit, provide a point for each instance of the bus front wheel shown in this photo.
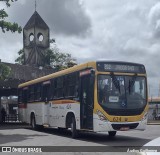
(73, 128)
(112, 133)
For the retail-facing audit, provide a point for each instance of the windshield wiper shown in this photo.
(115, 81)
(132, 82)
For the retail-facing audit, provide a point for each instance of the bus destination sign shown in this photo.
(120, 67)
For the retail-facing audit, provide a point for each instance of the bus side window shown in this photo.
(77, 85)
(66, 92)
(60, 84)
(37, 92)
(45, 92)
(31, 93)
(25, 95)
(73, 85)
(19, 95)
(51, 96)
(76, 91)
(55, 89)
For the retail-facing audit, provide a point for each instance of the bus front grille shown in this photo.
(124, 112)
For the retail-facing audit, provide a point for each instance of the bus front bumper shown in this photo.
(104, 126)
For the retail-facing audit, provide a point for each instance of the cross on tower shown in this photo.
(35, 5)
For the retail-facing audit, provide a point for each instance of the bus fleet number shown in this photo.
(116, 119)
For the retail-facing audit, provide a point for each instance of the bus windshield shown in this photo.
(122, 92)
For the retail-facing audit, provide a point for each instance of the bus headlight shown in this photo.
(101, 116)
(145, 116)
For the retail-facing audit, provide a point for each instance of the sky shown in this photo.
(123, 30)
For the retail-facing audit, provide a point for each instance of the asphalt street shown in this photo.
(22, 135)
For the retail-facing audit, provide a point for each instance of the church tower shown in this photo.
(35, 40)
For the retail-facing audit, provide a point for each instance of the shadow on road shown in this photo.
(100, 138)
(13, 125)
(16, 138)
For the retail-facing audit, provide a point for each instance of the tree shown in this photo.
(4, 71)
(59, 60)
(8, 26)
(53, 57)
(21, 58)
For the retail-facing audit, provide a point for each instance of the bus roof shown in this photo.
(59, 73)
(92, 64)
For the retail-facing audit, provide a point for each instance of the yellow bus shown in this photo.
(102, 96)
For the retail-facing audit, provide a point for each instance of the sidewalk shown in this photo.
(153, 122)
(13, 125)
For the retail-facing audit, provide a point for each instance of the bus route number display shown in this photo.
(120, 67)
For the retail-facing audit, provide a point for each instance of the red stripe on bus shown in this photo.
(86, 72)
(23, 106)
(64, 101)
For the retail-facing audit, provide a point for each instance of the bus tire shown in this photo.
(33, 122)
(73, 128)
(112, 133)
(61, 129)
(34, 126)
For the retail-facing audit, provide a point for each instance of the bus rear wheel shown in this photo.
(34, 125)
(112, 133)
(61, 129)
(33, 122)
(73, 128)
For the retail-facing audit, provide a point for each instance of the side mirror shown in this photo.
(92, 71)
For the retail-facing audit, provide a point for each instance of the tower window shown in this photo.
(40, 37)
(31, 37)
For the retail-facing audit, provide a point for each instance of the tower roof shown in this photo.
(36, 20)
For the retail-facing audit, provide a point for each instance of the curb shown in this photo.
(153, 123)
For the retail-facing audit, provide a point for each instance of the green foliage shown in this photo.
(20, 59)
(59, 60)
(8, 2)
(4, 71)
(8, 26)
(3, 14)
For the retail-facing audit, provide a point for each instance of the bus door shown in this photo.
(86, 99)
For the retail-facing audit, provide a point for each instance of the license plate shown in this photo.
(124, 128)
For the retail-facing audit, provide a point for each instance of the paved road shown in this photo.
(24, 136)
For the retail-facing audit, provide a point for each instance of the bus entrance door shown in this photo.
(86, 102)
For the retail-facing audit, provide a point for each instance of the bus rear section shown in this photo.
(61, 100)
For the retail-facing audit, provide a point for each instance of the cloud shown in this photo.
(154, 20)
(63, 16)
(124, 30)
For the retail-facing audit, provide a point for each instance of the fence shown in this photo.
(11, 118)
